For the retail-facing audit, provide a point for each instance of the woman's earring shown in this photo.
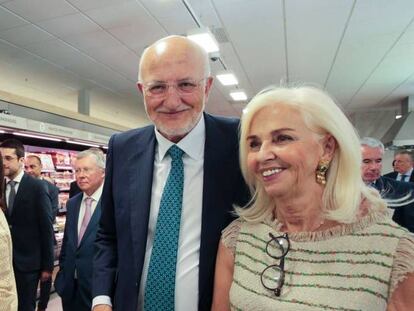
(321, 170)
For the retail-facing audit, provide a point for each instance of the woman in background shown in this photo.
(314, 236)
(8, 294)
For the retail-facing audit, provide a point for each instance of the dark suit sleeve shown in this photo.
(105, 259)
(65, 239)
(54, 199)
(44, 209)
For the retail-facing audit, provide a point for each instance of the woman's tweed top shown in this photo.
(8, 295)
(348, 267)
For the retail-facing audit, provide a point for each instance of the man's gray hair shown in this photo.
(372, 142)
(96, 153)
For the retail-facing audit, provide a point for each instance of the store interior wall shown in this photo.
(41, 85)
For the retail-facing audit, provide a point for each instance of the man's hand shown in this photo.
(45, 276)
(102, 308)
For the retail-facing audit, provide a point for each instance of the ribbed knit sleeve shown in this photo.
(8, 295)
(403, 261)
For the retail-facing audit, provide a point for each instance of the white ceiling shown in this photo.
(362, 51)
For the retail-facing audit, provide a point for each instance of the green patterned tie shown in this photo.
(160, 286)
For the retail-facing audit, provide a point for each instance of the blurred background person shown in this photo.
(403, 169)
(8, 293)
(314, 236)
(73, 281)
(372, 152)
(33, 167)
(29, 215)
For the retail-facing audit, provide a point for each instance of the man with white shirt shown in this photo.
(372, 152)
(403, 167)
(169, 190)
(29, 215)
(74, 279)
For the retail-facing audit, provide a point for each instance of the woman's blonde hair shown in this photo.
(344, 187)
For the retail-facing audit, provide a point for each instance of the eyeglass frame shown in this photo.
(281, 266)
(147, 85)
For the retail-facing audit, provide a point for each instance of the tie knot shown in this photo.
(88, 201)
(12, 183)
(175, 152)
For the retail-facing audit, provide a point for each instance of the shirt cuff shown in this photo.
(101, 300)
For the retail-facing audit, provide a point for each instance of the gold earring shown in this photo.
(321, 170)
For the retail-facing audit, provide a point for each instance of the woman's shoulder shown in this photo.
(230, 234)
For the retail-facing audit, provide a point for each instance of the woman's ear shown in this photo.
(329, 146)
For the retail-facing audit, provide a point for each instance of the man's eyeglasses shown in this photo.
(273, 276)
(183, 87)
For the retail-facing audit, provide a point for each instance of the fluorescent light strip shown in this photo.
(206, 41)
(227, 79)
(238, 95)
(82, 143)
(37, 136)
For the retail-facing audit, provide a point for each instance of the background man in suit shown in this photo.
(174, 77)
(29, 214)
(372, 153)
(33, 167)
(403, 167)
(73, 281)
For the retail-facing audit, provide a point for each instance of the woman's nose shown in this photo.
(266, 152)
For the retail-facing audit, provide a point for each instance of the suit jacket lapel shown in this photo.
(214, 160)
(140, 183)
(74, 219)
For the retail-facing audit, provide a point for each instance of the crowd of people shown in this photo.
(286, 209)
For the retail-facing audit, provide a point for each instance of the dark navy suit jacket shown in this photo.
(126, 199)
(31, 227)
(392, 189)
(393, 175)
(73, 257)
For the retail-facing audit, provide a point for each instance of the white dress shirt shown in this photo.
(95, 196)
(406, 175)
(18, 180)
(186, 282)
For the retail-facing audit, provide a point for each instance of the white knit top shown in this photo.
(348, 267)
(8, 294)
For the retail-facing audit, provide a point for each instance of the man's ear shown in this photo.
(140, 87)
(207, 88)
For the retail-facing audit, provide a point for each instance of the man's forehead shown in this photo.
(8, 151)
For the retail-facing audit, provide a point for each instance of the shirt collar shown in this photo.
(18, 178)
(192, 144)
(96, 195)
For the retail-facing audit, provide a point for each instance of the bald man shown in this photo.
(174, 78)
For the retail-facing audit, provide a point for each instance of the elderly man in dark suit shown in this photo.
(403, 167)
(372, 153)
(74, 279)
(29, 214)
(33, 167)
(169, 190)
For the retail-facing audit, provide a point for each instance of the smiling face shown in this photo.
(174, 60)
(283, 153)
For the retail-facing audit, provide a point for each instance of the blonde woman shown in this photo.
(314, 236)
